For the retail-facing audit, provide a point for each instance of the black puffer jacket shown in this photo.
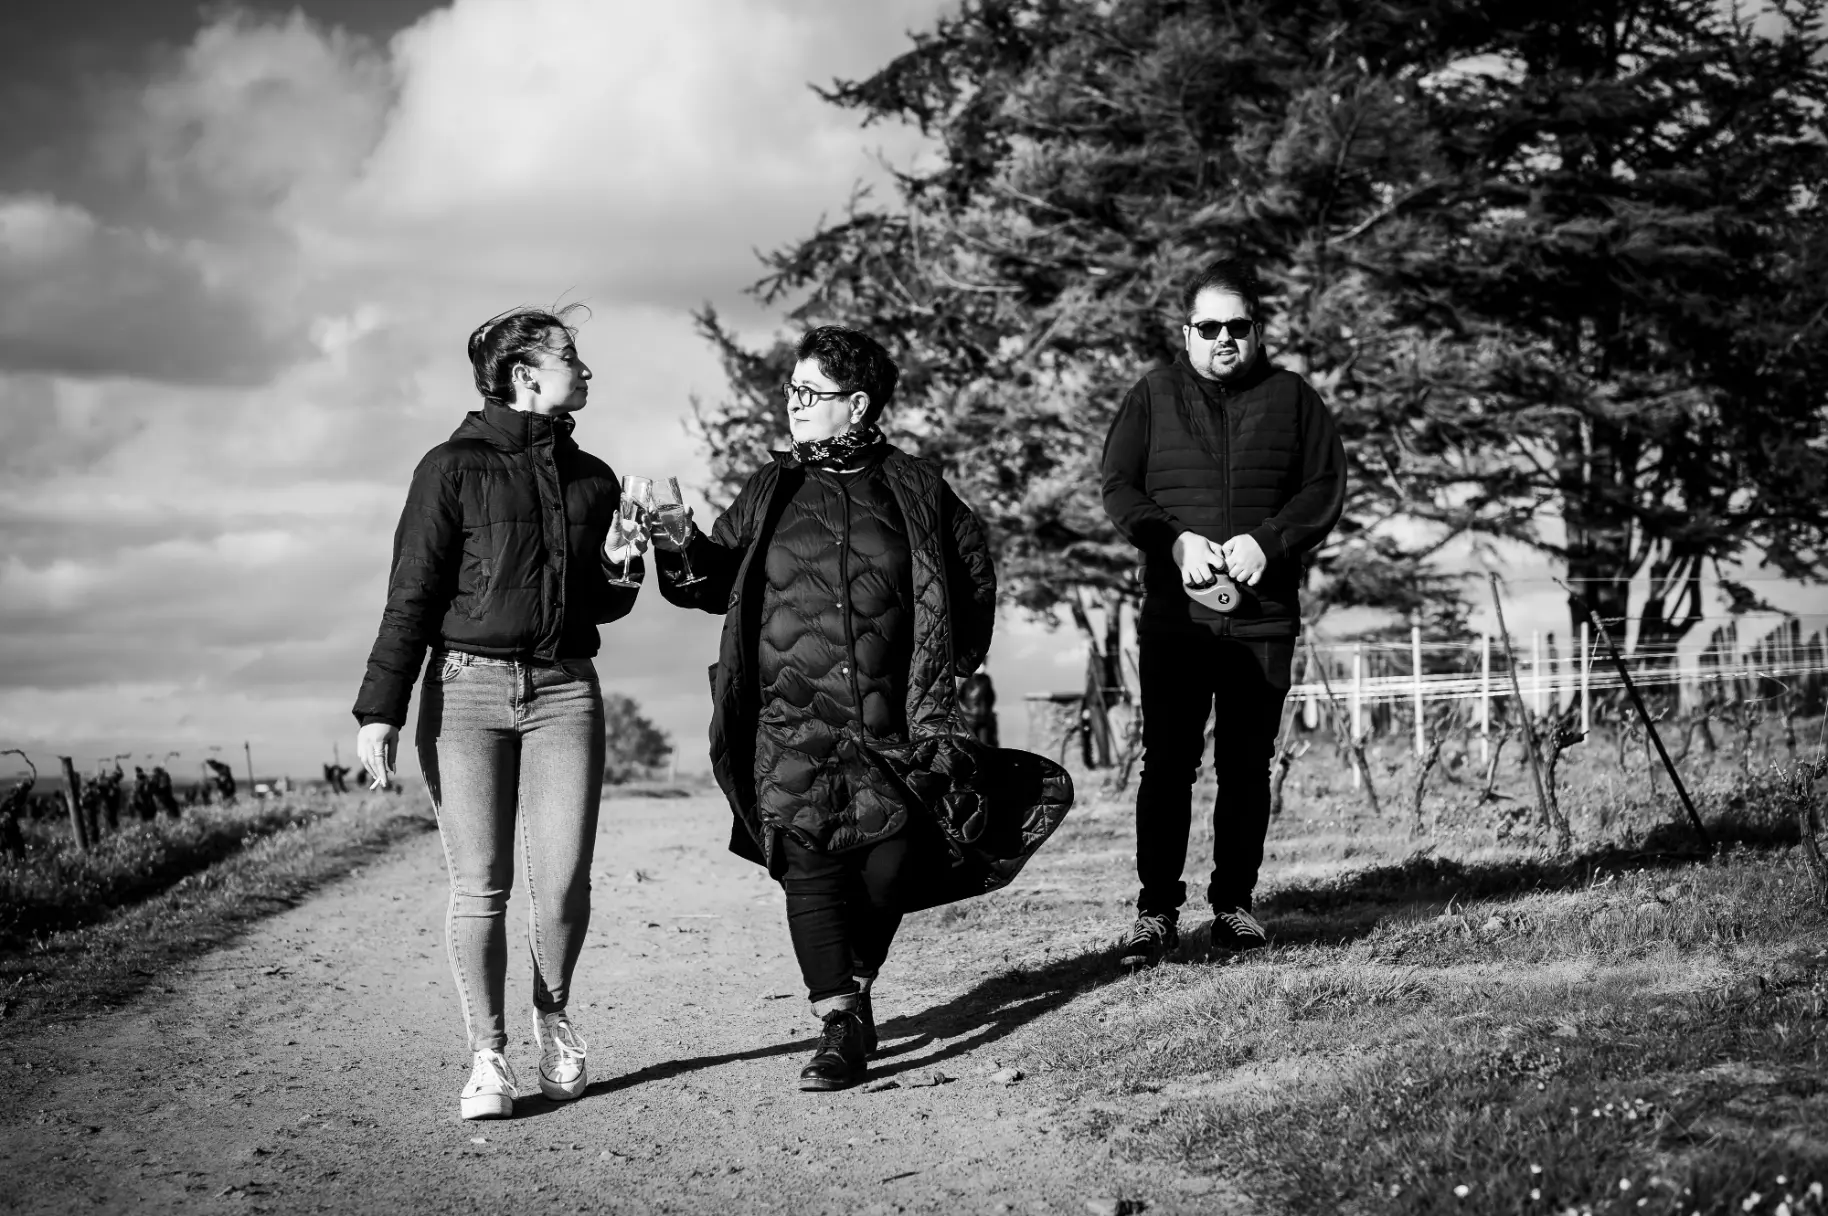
(832, 654)
(498, 553)
(790, 703)
(1259, 458)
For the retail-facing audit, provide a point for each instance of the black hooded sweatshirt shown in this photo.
(498, 553)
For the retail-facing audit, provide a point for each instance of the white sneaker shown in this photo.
(490, 1093)
(562, 1072)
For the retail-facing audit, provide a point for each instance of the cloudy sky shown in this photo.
(240, 251)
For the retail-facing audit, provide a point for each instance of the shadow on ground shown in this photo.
(1343, 909)
(991, 1010)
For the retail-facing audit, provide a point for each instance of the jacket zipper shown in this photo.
(553, 606)
(844, 601)
(1225, 475)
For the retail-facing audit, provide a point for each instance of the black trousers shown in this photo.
(1186, 675)
(842, 910)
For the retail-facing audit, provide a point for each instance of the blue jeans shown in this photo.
(505, 744)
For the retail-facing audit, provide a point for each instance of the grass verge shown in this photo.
(80, 932)
(1461, 1023)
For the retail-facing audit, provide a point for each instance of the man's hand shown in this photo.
(1199, 560)
(1245, 558)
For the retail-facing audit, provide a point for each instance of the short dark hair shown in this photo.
(1235, 275)
(854, 361)
(505, 340)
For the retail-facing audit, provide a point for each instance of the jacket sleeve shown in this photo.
(971, 580)
(1138, 518)
(419, 590)
(1310, 513)
(715, 558)
(619, 601)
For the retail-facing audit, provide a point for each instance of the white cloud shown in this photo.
(257, 121)
(639, 151)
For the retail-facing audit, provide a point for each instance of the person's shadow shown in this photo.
(991, 1010)
(1339, 910)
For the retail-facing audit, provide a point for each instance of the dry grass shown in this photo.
(1458, 1022)
(80, 931)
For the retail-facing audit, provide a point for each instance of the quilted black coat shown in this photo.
(837, 638)
(498, 553)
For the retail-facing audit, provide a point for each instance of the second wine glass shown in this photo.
(675, 523)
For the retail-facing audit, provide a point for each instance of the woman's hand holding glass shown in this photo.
(673, 527)
(627, 538)
(628, 531)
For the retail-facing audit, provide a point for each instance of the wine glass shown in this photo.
(637, 497)
(676, 525)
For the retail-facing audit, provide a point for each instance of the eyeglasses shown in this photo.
(1237, 327)
(806, 395)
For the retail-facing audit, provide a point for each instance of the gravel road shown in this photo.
(315, 1064)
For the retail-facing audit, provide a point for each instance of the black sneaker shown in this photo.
(1149, 941)
(838, 1062)
(1237, 929)
(866, 1013)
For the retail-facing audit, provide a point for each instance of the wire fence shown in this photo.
(1786, 659)
(1756, 661)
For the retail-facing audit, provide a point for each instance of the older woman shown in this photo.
(498, 567)
(856, 587)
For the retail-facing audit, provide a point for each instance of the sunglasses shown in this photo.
(1238, 327)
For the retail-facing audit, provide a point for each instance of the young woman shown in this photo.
(856, 586)
(498, 567)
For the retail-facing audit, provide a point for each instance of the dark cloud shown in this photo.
(80, 298)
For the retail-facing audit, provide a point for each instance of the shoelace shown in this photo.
(491, 1066)
(1147, 929)
(835, 1032)
(560, 1034)
(1242, 923)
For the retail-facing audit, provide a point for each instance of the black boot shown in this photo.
(866, 1013)
(838, 1062)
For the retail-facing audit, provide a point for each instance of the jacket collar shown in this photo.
(513, 430)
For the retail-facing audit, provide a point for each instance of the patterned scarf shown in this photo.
(840, 451)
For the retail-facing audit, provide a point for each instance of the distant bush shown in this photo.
(636, 747)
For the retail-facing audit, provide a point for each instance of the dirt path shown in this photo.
(315, 1065)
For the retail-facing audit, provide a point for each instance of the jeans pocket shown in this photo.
(451, 668)
(579, 669)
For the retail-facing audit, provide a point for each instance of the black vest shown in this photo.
(1221, 461)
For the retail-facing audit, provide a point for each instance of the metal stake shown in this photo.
(1650, 727)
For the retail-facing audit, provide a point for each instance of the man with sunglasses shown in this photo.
(1219, 466)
